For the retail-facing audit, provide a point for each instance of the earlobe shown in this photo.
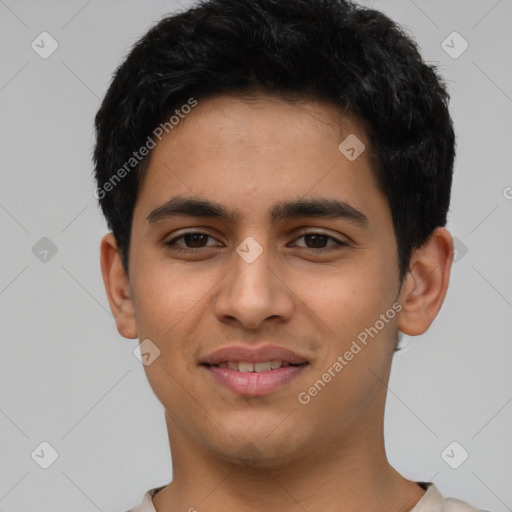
(426, 283)
(117, 287)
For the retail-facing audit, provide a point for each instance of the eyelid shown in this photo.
(182, 235)
(313, 231)
(303, 232)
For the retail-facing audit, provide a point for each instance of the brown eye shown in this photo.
(320, 241)
(316, 241)
(190, 241)
(193, 240)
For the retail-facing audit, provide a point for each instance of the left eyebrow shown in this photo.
(321, 207)
(316, 207)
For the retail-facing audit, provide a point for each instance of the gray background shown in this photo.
(69, 379)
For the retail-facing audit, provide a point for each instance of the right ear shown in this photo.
(117, 287)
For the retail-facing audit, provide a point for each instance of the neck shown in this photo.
(349, 474)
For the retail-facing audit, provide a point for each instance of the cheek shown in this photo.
(167, 304)
(346, 298)
(165, 295)
(350, 306)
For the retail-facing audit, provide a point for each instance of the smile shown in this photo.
(254, 379)
(244, 366)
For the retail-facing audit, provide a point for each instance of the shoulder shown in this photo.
(433, 501)
(454, 505)
(146, 505)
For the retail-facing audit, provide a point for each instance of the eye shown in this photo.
(193, 240)
(318, 241)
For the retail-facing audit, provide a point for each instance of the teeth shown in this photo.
(244, 366)
(262, 367)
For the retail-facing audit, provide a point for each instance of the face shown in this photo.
(252, 229)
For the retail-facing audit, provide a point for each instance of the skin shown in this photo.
(232, 452)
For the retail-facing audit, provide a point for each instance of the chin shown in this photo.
(250, 456)
(262, 453)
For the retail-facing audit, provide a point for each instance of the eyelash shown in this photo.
(334, 247)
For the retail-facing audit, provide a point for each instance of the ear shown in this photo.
(425, 284)
(117, 287)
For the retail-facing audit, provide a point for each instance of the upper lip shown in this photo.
(253, 355)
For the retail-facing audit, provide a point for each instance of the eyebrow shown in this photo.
(316, 207)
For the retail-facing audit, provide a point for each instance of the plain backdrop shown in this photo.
(67, 377)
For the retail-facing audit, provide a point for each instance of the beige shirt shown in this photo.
(431, 501)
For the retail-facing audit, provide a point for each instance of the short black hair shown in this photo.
(334, 50)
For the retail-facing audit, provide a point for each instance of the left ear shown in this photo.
(425, 284)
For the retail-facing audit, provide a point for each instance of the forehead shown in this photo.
(234, 148)
(242, 117)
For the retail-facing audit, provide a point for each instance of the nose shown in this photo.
(253, 293)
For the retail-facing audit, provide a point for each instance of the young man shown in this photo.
(276, 176)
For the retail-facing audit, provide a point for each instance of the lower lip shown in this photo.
(255, 383)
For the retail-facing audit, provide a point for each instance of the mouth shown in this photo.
(254, 370)
(254, 379)
(264, 366)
